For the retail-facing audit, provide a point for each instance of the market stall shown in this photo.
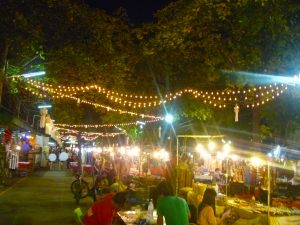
(260, 187)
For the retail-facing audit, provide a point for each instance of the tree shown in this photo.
(19, 35)
(194, 42)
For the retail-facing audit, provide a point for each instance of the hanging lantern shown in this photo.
(236, 112)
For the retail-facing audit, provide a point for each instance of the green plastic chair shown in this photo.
(79, 215)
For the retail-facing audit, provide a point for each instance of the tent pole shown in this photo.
(177, 153)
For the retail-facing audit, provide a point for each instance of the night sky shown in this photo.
(139, 11)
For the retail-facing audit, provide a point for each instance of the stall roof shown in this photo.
(12, 122)
(265, 149)
(200, 136)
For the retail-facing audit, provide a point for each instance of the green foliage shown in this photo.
(133, 133)
(282, 115)
(191, 44)
(265, 132)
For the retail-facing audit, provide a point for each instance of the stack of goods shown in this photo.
(194, 197)
(281, 202)
(185, 177)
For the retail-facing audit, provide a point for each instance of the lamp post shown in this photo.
(169, 118)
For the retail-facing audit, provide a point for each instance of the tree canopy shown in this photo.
(190, 45)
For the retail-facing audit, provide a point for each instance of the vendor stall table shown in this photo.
(257, 212)
(206, 179)
(285, 220)
(24, 167)
(87, 169)
(133, 217)
(73, 166)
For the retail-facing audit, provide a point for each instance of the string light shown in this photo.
(219, 99)
(108, 108)
(105, 125)
(65, 132)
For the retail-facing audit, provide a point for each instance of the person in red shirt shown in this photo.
(104, 211)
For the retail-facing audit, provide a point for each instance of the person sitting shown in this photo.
(174, 209)
(104, 211)
(207, 209)
(217, 175)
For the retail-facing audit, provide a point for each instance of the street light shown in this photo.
(29, 75)
(169, 118)
(44, 106)
(33, 74)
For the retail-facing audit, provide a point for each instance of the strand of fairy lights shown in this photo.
(92, 138)
(212, 100)
(108, 108)
(168, 96)
(87, 134)
(104, 125)
(215, 98)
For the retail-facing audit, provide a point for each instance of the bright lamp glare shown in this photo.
(220, 155)
(34, 74)
(211, 145)
(256, 161)
(122, 151)
(169, 118)
(44, 106)
(162, 154)
(200, 148)
(234, 157)
(134, 152)
(226, 148)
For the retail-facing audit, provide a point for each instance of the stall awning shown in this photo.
(8, 120)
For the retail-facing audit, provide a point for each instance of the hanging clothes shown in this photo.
(49, 125)
(43, 113)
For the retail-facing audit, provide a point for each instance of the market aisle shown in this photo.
(42, 198)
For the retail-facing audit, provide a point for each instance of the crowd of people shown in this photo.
(172, 209)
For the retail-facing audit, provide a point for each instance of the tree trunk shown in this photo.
(255, 125)
(4, 47)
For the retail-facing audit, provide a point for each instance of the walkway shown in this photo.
(41, 198)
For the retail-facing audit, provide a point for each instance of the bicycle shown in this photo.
(80, 188)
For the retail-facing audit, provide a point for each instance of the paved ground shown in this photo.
(41, 198)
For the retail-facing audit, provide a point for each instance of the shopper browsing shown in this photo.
(207, 210)
(174, 209)
(104, 211)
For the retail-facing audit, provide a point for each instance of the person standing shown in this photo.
(25, 147)
(174, 209)
(104, 211)
(207, 209)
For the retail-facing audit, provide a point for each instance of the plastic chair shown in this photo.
(78, 215)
